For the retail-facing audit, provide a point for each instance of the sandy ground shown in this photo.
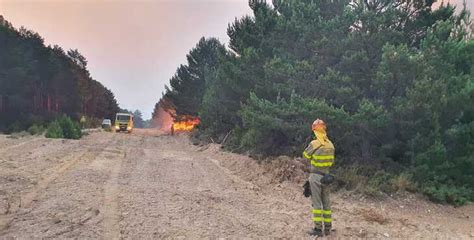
(147, 185)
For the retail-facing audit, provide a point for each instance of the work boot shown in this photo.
(327, 231)
(316, 232)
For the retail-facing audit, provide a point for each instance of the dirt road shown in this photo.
(151, 186)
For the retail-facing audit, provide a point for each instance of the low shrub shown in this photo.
(36, 129)
(71, 130)
(403, 182)
(54, 130)
(379, 184)
(350, 178)
(64, 127)
(444, 193)
(371, 182)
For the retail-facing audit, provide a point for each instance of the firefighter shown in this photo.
(320, 154)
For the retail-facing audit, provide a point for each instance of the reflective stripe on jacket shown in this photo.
(321, 156)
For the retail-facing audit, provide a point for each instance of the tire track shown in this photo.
(8, 148)
(112, 214)
(25, 201)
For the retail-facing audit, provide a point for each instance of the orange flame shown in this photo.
(186, 125)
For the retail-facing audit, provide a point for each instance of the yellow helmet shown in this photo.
(318, 125)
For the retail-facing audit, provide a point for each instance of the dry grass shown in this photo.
(350, 178)
(371, 215)
(403, 182)
(285, 168)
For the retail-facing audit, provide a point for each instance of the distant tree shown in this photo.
(138, 119)
(77, 58)
(188, 84)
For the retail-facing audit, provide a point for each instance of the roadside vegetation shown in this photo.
(64, 127)
(39, 83)
(392, 79)
(61, 127)
(36, 129)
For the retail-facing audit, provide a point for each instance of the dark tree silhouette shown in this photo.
(39, 83)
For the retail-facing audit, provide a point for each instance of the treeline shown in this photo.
(393, 79)
(185, 95)
(39, 83)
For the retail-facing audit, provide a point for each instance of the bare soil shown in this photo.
(147, 185)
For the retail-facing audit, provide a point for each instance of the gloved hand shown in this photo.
(306, 189)
(327, 179)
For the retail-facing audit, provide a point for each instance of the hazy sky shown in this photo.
(133, 47)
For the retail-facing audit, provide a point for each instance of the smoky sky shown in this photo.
(133, 47)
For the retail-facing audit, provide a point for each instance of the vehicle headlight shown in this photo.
(117, 127)
(129, 127)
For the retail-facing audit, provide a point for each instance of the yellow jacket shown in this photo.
(320, 153)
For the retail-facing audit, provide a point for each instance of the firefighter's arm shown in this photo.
(311, 148)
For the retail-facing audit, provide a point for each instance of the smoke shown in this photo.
(162, 120)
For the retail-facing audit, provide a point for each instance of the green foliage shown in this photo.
(54, 130)
(188, 84)
(280, 128)
(64, 127)
(36, 129)
(380, 182)
(393, 80)
(446, 193)
(71, 130)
